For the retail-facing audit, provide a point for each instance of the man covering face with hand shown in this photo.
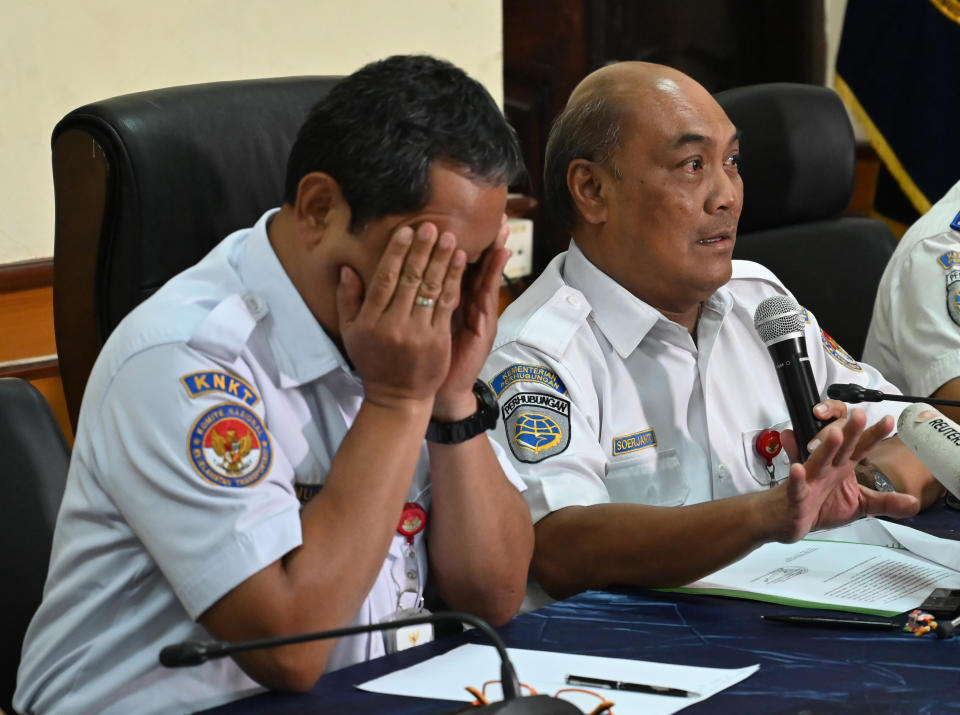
(250, 458)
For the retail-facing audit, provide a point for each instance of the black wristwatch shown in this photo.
(485, 418)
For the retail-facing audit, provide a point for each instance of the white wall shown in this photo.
(833, 11)
(60, 54)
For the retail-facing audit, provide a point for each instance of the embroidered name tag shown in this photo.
(527, 373)
(198, 383)
(634, 442)
(305, 492)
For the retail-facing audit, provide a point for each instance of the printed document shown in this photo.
(869, 566)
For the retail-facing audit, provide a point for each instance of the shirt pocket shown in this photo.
(757, 466)
(654, 479)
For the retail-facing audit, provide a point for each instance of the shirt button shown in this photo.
(573, 300)
(255, 304)
(722, 472)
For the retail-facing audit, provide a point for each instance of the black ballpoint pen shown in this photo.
(589, 682)
(831, 622)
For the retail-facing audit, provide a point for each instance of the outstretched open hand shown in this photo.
(824, 492)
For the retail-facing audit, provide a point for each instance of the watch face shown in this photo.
(488, 409)
(881, 482)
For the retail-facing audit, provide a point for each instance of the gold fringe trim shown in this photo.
(920, 202)
(949, 8)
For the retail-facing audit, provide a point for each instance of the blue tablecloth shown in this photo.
(802, 670)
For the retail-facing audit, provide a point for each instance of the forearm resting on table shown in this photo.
(346, 528)
(578, 548)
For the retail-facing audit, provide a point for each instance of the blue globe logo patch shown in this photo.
(536, 432)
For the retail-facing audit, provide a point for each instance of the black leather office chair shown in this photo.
(147, 183)
(798, 173)
(35, 459)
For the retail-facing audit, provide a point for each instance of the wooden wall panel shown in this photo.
(27, 320)
(28, 347)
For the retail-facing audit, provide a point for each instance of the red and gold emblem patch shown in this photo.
(834, 350)
(230, 447)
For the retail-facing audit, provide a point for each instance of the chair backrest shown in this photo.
(147, 183)
(35, 459)
(798, 173)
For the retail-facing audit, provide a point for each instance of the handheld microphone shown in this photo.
(778, 322)
(853, 393)
(935, 440)
(189, 653)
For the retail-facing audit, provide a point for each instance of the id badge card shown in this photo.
(405, 637)
(410, 599)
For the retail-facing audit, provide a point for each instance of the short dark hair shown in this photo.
(378, 131)
(587, 129)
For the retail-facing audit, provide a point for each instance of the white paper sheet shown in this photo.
(889, 533)
(870, 566)
(446, 677)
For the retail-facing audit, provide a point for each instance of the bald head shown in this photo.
(630, 79)
(643, 169)
(608, 104)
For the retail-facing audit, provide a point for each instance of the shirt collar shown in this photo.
(301, 347)
(623, 318)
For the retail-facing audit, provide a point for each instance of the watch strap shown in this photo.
(483, 419)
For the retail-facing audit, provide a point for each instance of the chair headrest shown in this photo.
(797, 141)
(186, 166)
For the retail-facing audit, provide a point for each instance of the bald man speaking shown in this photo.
(632, 383)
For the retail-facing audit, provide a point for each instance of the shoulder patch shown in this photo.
(537, 425)
(804, 315)
(833, 349)
(521, 372)
(955, 224)
(953, 295)
(198, 383)
(950, 259)
(634, 442)
(229, 446)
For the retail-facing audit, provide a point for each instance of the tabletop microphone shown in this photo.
(780, 326)
(935, 440)
(189, 653)
(853, 393)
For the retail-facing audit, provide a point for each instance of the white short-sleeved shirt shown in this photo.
(604, 399)
(213, 412)
(914, 336)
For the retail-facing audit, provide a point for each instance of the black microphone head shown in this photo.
(845, 392)
(778, 318)
(184, 654)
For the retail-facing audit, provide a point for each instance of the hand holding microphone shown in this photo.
(780, 326)
(822, 490)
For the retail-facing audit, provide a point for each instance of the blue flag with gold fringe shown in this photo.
(898, 71)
